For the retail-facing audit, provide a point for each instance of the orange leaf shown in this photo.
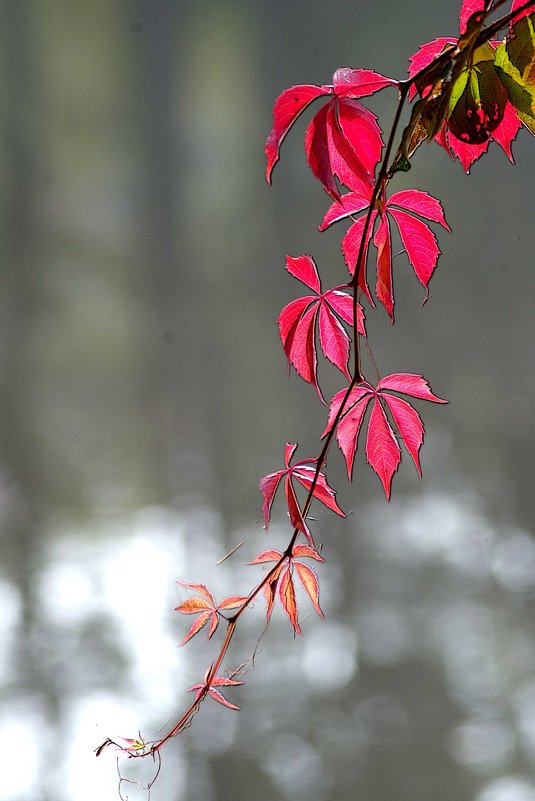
(197, 626)
(287, 599)
(311, 584)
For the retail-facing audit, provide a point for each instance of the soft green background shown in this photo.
(144, 392)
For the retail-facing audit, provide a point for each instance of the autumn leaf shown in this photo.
(479, 93)
(283, 578)
(299, 321)
(419, 241)
(343, 140)
(303, 472)
(382, 448)
(204, 605)
(213, 692)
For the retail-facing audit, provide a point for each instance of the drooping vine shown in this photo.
(466, 92)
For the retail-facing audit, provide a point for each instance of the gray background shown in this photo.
(144, 393)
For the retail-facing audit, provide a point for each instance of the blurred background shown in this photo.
(145, 392)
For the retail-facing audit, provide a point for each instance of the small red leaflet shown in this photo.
(217, 681)
(343, 139)
(382, 448)
(419, 241)
(299, 319)
(284, 578)
(304, 473)
(205, 606)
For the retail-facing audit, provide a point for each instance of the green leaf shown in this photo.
(515, 66)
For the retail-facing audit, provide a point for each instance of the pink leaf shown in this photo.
(409, 424)
(304, 269)
(342, 304)
(345, 162)
(383, 287)
(360, 128)
(425, 55)
(382, 449)
(294, 510)
(468, 8)
(351, 247)
(420, 203)
(303, 352)
(348, 431)
(409, 384)
(350, 203)
(287, 108)
(507, 130)
(268, 487)
(516, 4)
(310, 582)
(289, 450)
(359, 83)
(419, 242)
(465, 152)
(334, 339)
(322, 491)
(318, 152)
(356, 394)
(289, 318)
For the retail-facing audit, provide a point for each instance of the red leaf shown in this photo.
(359, 83)
(360, 128)
(288, 319)
(345, 162)
(351, 247)
(268, 487)
(311, 584)
(382, 449)
(465, 152)
(287, 108)
(322, 491)
(269, 592)
(409, 384)
(342, 304)
(287, 599)
(297, 322)
(317, 151)
(383, 287)
(516, 4)
(420, 203)
(294, 510)
(468, 8)
(507, 130)
(217, 681)
(348, 431)
(425, 55)
(351, 203)
(409, 424)
(304, 269)
(303, 349)
(420, 244)
(357, 393)
(334, 339)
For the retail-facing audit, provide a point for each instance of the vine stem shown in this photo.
(184, 721)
